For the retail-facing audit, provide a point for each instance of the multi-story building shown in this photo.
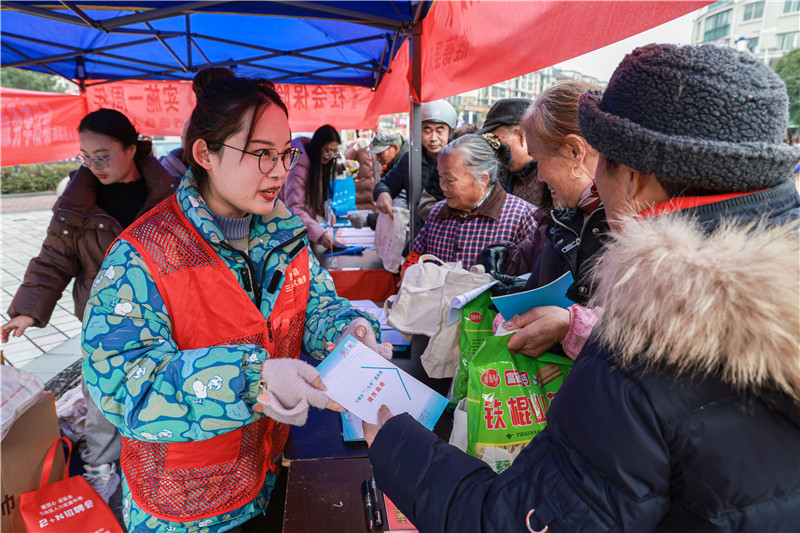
(767, 28)
(474, 105)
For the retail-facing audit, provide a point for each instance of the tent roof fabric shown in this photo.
(325, 42)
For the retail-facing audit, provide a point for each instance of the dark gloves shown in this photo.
(494, 259)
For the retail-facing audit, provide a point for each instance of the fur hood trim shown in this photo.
(725, 303)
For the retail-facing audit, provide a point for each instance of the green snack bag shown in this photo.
(476, 325)
(508, 398)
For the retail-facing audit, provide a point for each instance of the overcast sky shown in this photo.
(601, 63)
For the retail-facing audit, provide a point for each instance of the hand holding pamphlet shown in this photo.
(361, 381)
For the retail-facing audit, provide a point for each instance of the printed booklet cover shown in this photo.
(361, 381)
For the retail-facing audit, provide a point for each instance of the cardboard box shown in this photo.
(22, 455)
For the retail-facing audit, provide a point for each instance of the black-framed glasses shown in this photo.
(100, 162)
(268, 157)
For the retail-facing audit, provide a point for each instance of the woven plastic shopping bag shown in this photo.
(67, 506)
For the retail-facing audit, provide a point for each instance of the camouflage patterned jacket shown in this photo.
(147, 387)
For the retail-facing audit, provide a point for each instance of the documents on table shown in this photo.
(554, 293)
(361, 381)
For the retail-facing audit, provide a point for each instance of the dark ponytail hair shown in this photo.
(209, 75)
(320, 176)
(220, 113)
(116, 125)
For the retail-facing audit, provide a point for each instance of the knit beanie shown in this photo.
(702, 118)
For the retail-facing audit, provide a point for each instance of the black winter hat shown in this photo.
(701, 118)
(505, 111)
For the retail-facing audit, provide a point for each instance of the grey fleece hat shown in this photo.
(701, 118)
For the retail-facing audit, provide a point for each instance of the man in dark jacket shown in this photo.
(683, 411)
(388, 147)
(438, 124)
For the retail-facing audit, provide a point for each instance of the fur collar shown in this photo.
(722, 303)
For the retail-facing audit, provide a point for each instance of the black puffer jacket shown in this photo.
(572, 240)
(681, 414)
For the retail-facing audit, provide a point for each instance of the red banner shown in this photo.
(162, 107)
(39, 126)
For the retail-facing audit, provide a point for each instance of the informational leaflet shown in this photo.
(361, 381)
(554, 293)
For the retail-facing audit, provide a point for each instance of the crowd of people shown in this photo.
(669, 197)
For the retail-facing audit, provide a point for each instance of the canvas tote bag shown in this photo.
(391, 236)
(416, 308)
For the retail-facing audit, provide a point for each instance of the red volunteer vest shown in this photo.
(183, 481)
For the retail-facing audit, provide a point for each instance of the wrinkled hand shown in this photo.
(289, 387)
(16, 325)
(539, 329)
(361, 330)
(370, 430)
(384, 204)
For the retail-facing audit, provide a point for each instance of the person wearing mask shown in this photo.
(195, 324)
(365, 178)
(683, 413)
(310, 184)
(117, 182)
(174, 161)
(439, 121)
(476, 209)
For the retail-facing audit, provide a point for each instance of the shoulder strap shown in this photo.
(51, 455)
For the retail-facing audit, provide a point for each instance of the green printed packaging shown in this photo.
(476, 325)
(508, 398)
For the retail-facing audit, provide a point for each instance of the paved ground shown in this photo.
(23, 226)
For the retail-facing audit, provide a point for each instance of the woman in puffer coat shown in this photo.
(682, 413)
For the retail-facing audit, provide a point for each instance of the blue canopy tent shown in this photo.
(406, 51)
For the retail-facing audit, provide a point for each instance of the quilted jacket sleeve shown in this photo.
(135, 372)
(600, 465)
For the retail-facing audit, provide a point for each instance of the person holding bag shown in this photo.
(195, 324)
(682, 413)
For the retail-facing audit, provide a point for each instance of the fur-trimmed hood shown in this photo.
(725, 303)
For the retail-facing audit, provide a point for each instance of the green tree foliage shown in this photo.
(788, 68)
(17, 78)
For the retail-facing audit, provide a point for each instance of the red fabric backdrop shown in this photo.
(39, 126)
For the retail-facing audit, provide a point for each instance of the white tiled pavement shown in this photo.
(41, 351)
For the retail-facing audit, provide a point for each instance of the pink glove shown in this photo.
(362, 330)
(287, 390)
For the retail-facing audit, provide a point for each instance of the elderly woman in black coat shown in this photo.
(682, 413)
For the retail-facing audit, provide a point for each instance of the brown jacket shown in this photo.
(79, 234)
(365, 178)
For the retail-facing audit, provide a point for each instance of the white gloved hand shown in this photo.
(289, 387)
(361, 329)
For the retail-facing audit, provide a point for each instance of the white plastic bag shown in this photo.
(391, 236)
(18, 391)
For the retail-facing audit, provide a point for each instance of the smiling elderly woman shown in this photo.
(476, 210)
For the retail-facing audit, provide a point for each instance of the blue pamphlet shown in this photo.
(361, 381)
(554, 293)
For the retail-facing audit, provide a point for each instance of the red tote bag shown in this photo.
(66, 506)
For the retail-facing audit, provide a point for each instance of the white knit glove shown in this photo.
(361, 329)
(287, 390)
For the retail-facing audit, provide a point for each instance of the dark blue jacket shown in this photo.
(646, 445)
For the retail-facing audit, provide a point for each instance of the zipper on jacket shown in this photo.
(250, 281)
(269, 330)
(273, 284)
(578, 236)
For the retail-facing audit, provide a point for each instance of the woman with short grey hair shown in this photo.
(476, 210)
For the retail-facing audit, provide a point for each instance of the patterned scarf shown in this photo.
(590, 200)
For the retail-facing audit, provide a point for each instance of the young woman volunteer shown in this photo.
(196, 321)
(310, 183)
(117, 182)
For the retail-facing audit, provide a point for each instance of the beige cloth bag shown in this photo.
(391, 236)
(440, 358)
(416, 306)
